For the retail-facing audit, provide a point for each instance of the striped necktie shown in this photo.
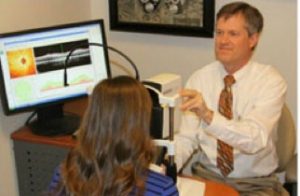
(225, 151)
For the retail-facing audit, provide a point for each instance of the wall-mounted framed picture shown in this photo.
(175, 17)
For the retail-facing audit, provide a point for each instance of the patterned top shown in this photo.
(156, 184)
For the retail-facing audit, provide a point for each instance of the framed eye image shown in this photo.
(174, 17)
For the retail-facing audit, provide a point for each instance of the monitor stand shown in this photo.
(52, 121)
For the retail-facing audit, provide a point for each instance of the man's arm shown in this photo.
(186, 141)
(247, 133)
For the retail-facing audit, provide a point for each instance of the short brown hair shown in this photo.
(252, 15)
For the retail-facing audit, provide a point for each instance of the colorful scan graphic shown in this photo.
(21, 63)
(52, 57)
(24, 91)
(51, 85)
(81, 79)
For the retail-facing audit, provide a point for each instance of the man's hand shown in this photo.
(193, 101)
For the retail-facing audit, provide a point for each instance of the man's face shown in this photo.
(233, 44)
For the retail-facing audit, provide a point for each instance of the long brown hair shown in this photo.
(114, 147)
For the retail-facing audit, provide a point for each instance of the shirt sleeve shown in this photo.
(159, 184)
(171, 190)
(186, 141)
(251, 132)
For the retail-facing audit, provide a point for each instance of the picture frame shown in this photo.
(174, 17)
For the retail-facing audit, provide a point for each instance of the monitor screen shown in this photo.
(33, 65)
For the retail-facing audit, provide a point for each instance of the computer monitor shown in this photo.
(32, 72)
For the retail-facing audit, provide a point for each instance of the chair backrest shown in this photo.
(286, 142)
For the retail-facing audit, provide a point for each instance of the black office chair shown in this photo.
(285, 146)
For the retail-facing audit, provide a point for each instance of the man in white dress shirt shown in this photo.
(258, 95)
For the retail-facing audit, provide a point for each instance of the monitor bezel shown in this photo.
(4, 100)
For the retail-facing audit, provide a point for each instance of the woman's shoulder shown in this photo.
(159, 184)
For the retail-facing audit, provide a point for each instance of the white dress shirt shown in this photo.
(258, 98)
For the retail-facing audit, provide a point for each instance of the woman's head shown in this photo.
(118, 116)
(114, 141)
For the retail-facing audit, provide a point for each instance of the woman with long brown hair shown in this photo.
(114, 148)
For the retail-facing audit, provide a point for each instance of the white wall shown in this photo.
(151, 52)
(18, 15)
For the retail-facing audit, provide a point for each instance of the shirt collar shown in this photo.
(238, 74)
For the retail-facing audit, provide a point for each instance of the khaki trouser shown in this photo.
(261, 186)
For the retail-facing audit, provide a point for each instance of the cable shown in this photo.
(137, 76)
(29, 118)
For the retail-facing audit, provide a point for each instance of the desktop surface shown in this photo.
(25, 137)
